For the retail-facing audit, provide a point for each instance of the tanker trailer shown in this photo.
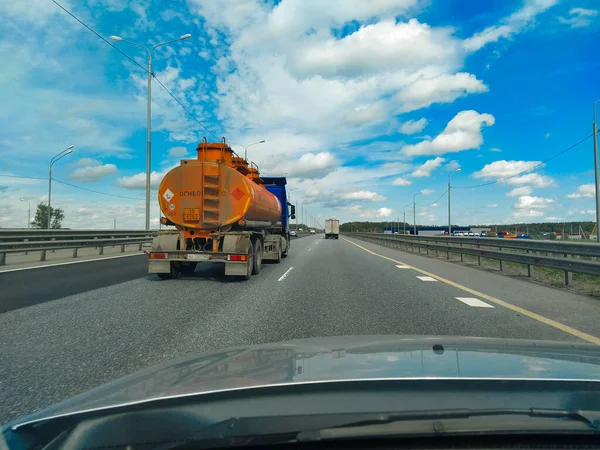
(222, 211)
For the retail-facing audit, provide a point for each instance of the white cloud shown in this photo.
(503, 168)
(434, 205)
(492, 205)
(401, 182)
(178, 152)
(511, 25)
(517, 192)
(444, 88)
(385, 45)
(530, 207)
(89, 170)
(138, 181)
(427, 191)
(310, 165)
(584, 191)
(579, 17)
(370, 114)
(384, 212)
(429, 166)
(463, 132)
(528, 201)
(547, 135)
(533, 179)
(413, 126)
(452, 166)
(496, 150)
(364, 195)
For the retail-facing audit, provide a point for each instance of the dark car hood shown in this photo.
(341, 358)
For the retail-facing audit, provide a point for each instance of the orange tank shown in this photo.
(216, 191)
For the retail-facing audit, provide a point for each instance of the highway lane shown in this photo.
(21, 288)
(56, 349)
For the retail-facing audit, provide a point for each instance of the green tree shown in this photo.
(41, 217)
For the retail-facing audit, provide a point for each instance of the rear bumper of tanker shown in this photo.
(160, 262)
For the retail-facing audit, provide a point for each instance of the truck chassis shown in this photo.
(242, 252)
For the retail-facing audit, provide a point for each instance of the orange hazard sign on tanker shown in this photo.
(237, 193)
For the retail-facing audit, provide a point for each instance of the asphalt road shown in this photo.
(69, 328)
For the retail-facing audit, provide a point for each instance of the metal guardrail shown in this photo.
(530, 253)
(12, 241)
(40, 235)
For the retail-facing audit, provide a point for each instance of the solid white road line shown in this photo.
(474, 302)
(426, 279)
(285, 274)
(402, 267)
(71, 262)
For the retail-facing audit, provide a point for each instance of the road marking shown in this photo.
(402, 267)
(473, 302)
(71, 262)
(309, 249)
(285, 274)
(497, 301)
(426, 278)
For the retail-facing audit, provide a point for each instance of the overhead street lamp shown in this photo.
(595, 130)
(250, 145)
(415, 212)
(28, 211)
(449, 219)
(407, 206)
(149, 113)
(65, 152)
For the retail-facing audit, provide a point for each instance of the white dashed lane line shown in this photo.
(475, 302)
(426, 279)
(310, 249)
(403, 267)
(285, 274)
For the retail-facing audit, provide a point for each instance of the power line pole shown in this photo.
(595, 130)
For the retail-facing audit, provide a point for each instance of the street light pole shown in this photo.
(449, 217)
(149, 112)
(250, 145)
(407, 206)
(595, 130)
(115, 222)
(62, 154)
(28, 211)
(415, 213)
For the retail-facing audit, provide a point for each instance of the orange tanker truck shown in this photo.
(223, 211)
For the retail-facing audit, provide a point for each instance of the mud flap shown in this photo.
(162, 242)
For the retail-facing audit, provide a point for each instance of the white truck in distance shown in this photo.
(332, 228)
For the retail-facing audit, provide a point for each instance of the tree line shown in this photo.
(531, 228)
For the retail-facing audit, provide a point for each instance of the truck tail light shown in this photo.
(158, 255)
(237, 258)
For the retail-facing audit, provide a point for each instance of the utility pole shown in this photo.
(449, 216)
(415, 213)
(595, 131)
(149, 111)
(65, 152)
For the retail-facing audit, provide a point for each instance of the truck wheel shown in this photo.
(188, 267)
(250, 262)
(174, 273)
(287, 249)
(258, 251)
(278, 260)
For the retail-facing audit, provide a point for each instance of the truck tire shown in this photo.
(287, 248)
(250, 261)
(189, 267)
(174, 273)
(278, 260)
(258, 251)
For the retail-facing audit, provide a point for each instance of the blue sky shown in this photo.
(361, 104)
